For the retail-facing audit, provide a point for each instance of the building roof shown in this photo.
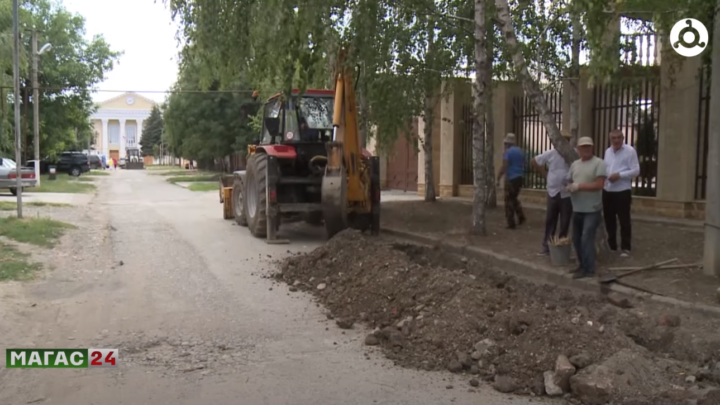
(124, 95)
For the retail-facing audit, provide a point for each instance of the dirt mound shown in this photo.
(433, 311)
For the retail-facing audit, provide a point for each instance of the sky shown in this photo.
(144, 30)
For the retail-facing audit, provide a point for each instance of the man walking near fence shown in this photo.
(513, 169)
(559, 205)
(622, 166)
(587, 177)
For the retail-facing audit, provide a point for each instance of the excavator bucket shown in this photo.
(334, 191)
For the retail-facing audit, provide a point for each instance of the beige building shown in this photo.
(118, 123)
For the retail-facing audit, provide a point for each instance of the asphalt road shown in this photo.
(193, 317)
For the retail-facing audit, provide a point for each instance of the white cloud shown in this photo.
(144, 30)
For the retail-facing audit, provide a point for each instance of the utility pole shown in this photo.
(16, 96)
(36, 106)
(712, 201)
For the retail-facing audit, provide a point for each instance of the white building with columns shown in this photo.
(118, 123)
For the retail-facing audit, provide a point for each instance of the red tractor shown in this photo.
(308, 165)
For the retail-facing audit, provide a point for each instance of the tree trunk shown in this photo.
(478, 139)
(532, 89)
(574, 93)
(491, 190)
(530, 86)
(364, 107)
(26, 145)
(429, 117)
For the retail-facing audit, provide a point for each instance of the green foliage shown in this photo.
(210, 124)
(153, 128)
(402, 48)
(67, 73)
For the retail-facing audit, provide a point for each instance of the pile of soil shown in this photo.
(436, 311)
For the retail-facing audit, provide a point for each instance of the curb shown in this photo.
(693, 225)
(547, 273)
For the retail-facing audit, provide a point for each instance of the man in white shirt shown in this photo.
(622, 166)
(559, 204)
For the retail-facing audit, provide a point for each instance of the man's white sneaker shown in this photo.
(625, 253)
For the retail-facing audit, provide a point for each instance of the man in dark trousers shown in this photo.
(513, 169)
(559, 205)
(622, 166)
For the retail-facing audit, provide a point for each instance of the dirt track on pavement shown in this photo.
(194, 320)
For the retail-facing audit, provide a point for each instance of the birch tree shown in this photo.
(530, 85)
(490, 189)
(478, 226)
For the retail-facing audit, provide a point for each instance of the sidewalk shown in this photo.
(448, 221)
(690, 223)
(399, 195)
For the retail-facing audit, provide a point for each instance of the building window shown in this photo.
(114, 133)
(131, 131)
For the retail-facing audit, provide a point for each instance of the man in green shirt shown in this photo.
(586, 181)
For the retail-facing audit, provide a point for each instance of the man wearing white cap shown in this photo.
(587, 178)
(559, 205)
(513, 169)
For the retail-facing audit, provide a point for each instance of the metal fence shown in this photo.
(639, 49)
(531, 134)
(633, 106)
(703, 134)
(466, 160)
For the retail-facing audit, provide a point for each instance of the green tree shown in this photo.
(152, 132)
(66, 74)
(207, 125)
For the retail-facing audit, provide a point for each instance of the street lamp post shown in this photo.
(36, 100)
(16, 77)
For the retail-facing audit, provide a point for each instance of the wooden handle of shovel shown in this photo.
(652, 266)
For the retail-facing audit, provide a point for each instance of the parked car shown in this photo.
(8, 176)
(95, 162)
(121, 163)
(73, 163)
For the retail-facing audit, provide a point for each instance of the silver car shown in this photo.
(8, 176)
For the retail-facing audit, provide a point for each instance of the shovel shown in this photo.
(614, 277)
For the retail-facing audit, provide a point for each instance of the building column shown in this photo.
(138, 132)
(503, 116)
(678, 128)
(450, 139)
(123, 135)
(105, 140)
(421, 156)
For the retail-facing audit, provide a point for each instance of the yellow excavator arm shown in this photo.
(346, 187)
(346, 132)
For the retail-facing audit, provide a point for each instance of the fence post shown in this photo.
(450, 136)
(503, 113)
(678, 126)
(421, 156)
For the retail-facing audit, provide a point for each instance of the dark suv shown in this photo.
(95, 162)
(73, 163)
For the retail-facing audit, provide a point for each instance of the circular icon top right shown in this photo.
(689, 37)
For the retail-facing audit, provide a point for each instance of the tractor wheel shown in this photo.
(237, 202)
(256, 195)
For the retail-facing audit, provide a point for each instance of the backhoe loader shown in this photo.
(308, 165)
